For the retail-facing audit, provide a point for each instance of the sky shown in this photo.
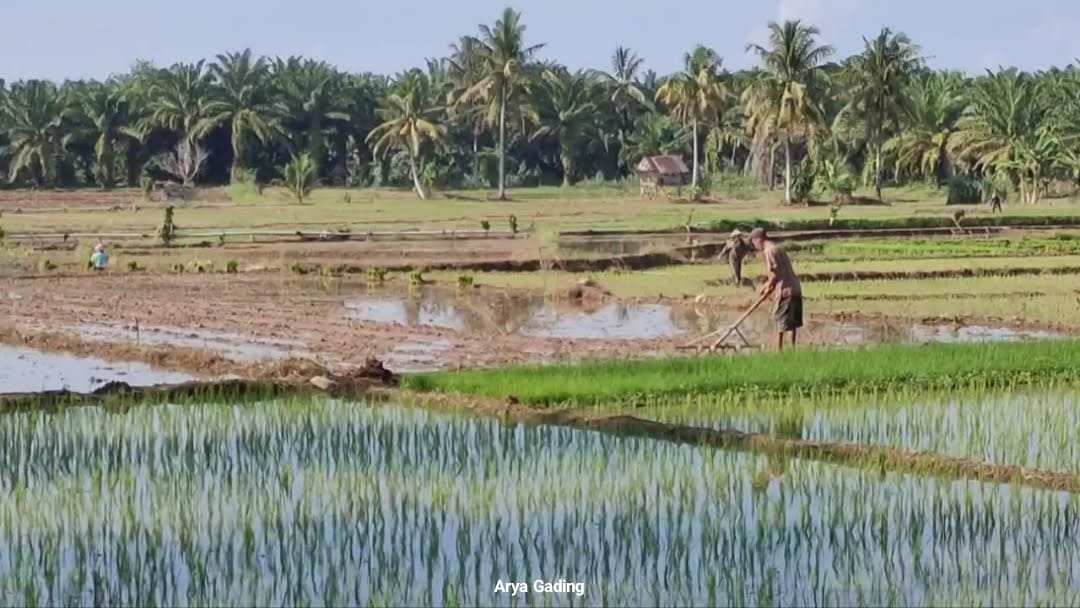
(60, 39)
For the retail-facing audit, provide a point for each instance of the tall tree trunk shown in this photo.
(694, 173)
(733, 148)
(476, 155)
(502, 144)
(106, 160)
(878, 174)
(131, 158)
(416, 178)
(787, 169)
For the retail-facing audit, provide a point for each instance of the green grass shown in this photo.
(579, 208)
(806, 371)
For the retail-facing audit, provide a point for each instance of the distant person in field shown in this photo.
(995, 203)
(100, 258)
(783, 284)
(735, 249)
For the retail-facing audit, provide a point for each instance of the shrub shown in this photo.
(513, 224)
(465, 280)
(964, 190)
(300, 177)
(416, 277)
(133, 266)
(376, 275)
(298, 268)
(802, 183)
(232, 267)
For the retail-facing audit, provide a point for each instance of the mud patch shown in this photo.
(616, 321)
(418, 355)
(24, 370)
(247, 349)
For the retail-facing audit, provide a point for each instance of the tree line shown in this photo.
(494, 113)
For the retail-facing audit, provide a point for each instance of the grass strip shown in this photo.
(803, 371)
(926, 221)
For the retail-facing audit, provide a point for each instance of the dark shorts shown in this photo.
(788, 313)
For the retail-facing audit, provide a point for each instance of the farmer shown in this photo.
(782, 282)
(100, 258)
(735, 249)
(995, 203)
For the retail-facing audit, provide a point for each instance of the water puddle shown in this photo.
(612, 322)
(418, 355)
(247, 349)
(537, 317)
(25, 370)
(977, 333)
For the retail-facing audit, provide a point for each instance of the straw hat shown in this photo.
(736, 233)
(98, 247)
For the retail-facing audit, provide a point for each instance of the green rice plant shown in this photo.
(465, 281)
(485, 226)
(416, 278)
(232, 267)
(324, 502)
(933, 367)
(133, 266)
(48, 265)
(513, 221)
(298, 268)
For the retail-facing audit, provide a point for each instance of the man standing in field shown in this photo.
(735, 249)
(782, 282)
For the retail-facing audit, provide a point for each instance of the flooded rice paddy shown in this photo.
(25, 370)
(538, 317)
(333, 503)
(1035, 429)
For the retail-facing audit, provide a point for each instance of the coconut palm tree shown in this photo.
(409, 119)
(565, 110)
(625, 91)
(654, 134)
(35, 113)
(922, 147)
(786, 95)
(879, 79)
(506, 76)
(466, 69)
(695, 95)
(242, 98)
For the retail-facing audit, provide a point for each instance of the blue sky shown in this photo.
(60, 39)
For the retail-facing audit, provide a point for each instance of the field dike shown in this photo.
(369, 387)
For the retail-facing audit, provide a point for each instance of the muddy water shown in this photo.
(539, 318)
(24, 370)
(234, 346)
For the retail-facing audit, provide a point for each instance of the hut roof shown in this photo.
(664, 165)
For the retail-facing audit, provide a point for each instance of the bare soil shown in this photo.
(258, 310)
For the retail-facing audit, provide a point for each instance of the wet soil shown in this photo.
(270, 326)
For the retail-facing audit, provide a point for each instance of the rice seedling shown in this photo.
(1028, 428)
(319, 502)
(232, 267)
(799, 372)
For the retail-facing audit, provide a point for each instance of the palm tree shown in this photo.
(625, 90)
(1006, 127)
(178, 99)
(922, 147)
(242, 99)
(505, 76)
(879, 79)
(695, 95)
(312, 93)
(654, 134)
(466, 69)
(566, 110)
(102, 114)
(35, 113)
(408, 121)
(785, 96)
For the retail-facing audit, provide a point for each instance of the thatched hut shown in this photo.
(657, 171)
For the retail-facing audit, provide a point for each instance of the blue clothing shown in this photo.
(100, 259)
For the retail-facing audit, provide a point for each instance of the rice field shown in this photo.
(1028, 428)
(320, 502)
